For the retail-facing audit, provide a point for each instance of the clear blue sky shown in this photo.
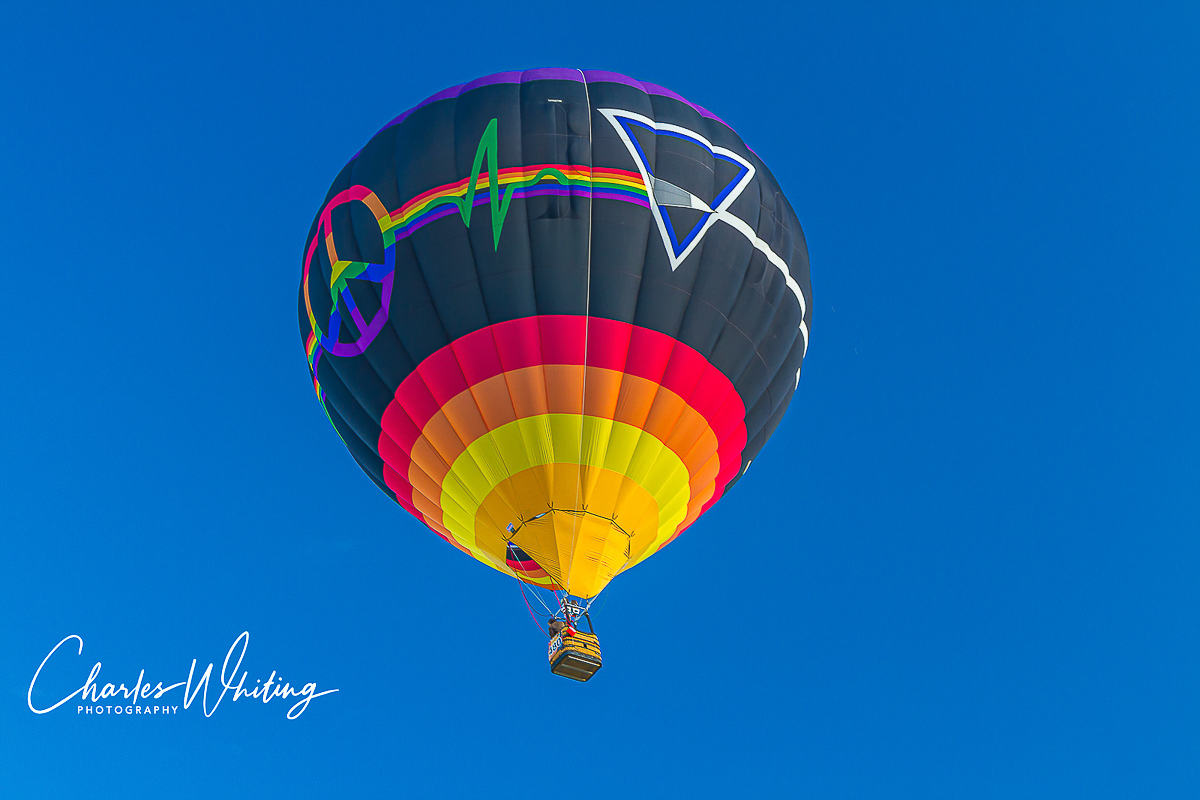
(991, 462)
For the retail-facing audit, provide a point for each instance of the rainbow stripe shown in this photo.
(531, 181)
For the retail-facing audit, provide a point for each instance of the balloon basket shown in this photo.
(575, 655)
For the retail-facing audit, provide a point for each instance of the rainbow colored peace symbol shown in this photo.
(343, 271)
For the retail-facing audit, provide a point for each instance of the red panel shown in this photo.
(728, 417)
(730, 455)
(391, 451)
(684, 372)
(608, 343)
(477, 355)
(416, 399)
(442, 375)
(710, 393)
(562, 339)
(402, 489)
(649, 353)
(518, 343)
(398, 429)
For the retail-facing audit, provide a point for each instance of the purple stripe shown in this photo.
(357, 316)
(554, 189)
(551, 74)
(626, 198)
(548, 74)
(598, 76)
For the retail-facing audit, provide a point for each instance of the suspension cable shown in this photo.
(531, 614)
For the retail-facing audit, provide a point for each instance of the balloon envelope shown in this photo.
(555, 314)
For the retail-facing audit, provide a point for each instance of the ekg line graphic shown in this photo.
(500, 198)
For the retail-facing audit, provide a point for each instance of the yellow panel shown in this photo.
(582, 552)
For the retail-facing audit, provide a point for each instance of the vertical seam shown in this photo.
(587, 303)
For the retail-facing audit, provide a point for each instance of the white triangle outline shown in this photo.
(614, 115)
(721, 212)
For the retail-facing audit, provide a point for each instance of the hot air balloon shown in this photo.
(555, 314)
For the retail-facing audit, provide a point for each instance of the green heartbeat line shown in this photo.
(500, 199)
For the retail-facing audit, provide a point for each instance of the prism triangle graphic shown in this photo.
(682, 217)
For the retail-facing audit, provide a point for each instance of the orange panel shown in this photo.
(564, 388)
(494, 401)
(465, 417)
(603, 390)
(442, 436)
(527, 390)
(426, 459)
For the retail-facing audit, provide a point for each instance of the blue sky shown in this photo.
(980, 514)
